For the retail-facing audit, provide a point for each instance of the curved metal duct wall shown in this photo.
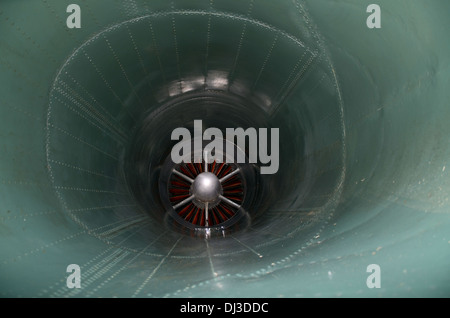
(86, 117)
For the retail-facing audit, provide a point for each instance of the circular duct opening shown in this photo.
(233, 84)
(209, 193)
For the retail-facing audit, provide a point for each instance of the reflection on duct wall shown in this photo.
(87, 114)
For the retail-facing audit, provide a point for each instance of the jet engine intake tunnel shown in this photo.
(86, 176)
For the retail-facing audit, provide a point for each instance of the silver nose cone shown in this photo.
(206, 187)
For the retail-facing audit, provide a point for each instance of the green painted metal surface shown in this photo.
(364, 153)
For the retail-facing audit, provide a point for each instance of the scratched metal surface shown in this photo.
(363, 117)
